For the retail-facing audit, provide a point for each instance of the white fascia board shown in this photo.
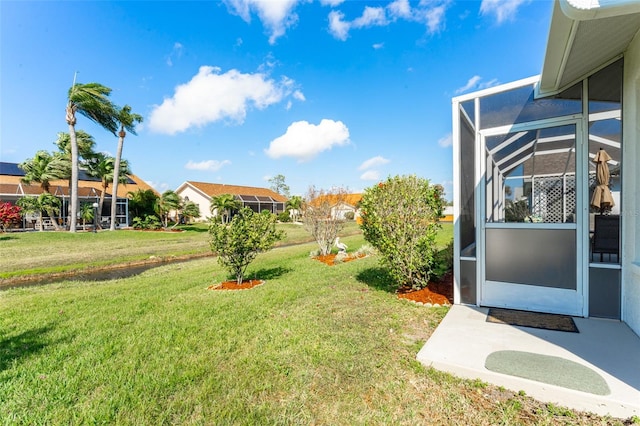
(193, 188)
(567, 14)
(561, 34)
(584, 10)
(182, 187)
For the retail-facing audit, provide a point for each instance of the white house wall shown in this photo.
(197, 197)
(631, 179)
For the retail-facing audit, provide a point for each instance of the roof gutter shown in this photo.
(567, 15)
(585, 10)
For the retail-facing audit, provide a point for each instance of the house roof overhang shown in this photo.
(584, 36)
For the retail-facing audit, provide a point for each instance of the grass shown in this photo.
(32, 253)
(314, 345)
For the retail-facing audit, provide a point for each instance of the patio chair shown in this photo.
(606, 236)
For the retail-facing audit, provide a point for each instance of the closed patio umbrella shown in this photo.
(602, 198)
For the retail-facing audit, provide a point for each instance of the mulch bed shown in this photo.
(330, 259)
(233, 285)
(436, 293)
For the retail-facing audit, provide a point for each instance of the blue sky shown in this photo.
(326, 93)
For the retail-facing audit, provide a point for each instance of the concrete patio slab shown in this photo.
(463, 340)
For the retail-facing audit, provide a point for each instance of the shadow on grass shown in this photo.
(192, 228)
(7, 238)
(378, 278)
(23, 345)
(269, 273)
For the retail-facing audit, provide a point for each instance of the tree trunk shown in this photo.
(100, 204)
(73, 191)
(116, 179)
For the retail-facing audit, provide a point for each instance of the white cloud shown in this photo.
(431, 13)
(503, 10)
(176, 52)
(445, 141)
(471, 84)
(370, 175)
(378, 46)
(211, 96)
(298, 95)
(373, 162)
(276, 16)
(332, 3)
(434, 17)
(207, 165)
(490, 83)
(400, 9)
(371, 16)
(337, 26)
(304, 140)
(475, 83)
(158, 186)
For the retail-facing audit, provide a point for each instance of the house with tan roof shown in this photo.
(341, 204)
(257, 199)
(89, 189)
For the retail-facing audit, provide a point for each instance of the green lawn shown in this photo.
(30, 253)
(314, 345)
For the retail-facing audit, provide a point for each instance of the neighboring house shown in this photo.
(447, 214)
(257, 199)
(529, 232)
(89, 190)
(341, 204)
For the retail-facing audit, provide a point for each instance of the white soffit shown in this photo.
(585, 35)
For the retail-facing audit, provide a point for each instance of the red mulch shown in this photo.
(330, 259)
(233, 285)
(436, 293)
(440, 292)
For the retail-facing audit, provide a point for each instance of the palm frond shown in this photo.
(92, 101)
(129, 120)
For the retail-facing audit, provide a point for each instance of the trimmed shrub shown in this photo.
(284, 217)
(400, 219)
(239, 242)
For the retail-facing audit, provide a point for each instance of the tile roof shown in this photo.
(10, 174)
(215, 189)
(334, 199)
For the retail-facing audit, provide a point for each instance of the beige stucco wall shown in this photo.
(631, 180)
(202, 201)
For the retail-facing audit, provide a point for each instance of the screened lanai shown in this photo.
(538, 196)
(258, 203)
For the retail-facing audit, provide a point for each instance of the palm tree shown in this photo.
(294, 205)
(190, 210)
(86, 213)
(102, 167)
(127, 121)
(86, 144)
(46, 202)
(168, 201)
(43, 168)
(142, 202)
(223, 205)
(92, 101)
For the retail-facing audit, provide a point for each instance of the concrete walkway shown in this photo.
(463, 340)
